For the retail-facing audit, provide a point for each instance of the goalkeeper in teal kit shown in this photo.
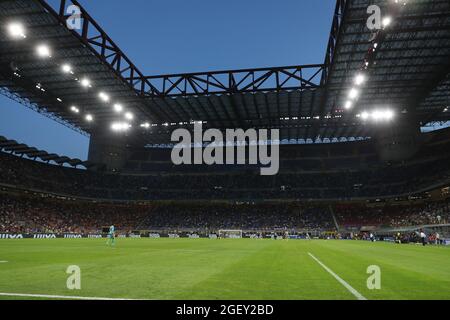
(111, 237)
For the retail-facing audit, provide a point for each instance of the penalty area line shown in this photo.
(47, 296)
(352, 290)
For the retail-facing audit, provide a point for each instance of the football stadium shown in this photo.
(325, 181)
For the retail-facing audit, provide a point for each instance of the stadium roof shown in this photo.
(406, 65)
(13, 147)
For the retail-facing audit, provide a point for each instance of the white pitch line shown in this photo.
(352, 290)
(46, 296)
(3, 261)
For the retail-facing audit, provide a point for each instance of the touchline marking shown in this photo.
(46, 296)
(3, 261)
(352, 290)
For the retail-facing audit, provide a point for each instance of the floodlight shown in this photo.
(360, 79)
(386, 21)
(129, 116)
(120, 126)
(353, 94)
(389, 115)
(43, 51)
(377, 115)
(85, 82)
(118, 108)
(16, 30)
(66, 68)
(103, 96)
(365, 115)
(348, 105)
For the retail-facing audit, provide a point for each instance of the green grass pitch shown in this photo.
(222, 269)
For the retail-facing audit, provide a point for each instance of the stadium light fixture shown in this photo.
(85, 82)
(16, 30)
(145, 125)
(353, 94)
(66, 68)
(360, 79)
(129, 116)
(386, 21)
(74, 109)
(378, 115)
(389, 115)
(348, 105)
(43, 51)
(89, 118)
(120, 126)
(365, 115)
(104, 97)
(118, 108)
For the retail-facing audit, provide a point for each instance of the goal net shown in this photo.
(230, 234)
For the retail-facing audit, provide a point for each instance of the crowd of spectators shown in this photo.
(261, 217)
(31, 214)
(37, 215)
(332, 184)
(40, 215)
(432, 213)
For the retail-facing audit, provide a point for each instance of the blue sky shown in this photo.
(175, 36)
